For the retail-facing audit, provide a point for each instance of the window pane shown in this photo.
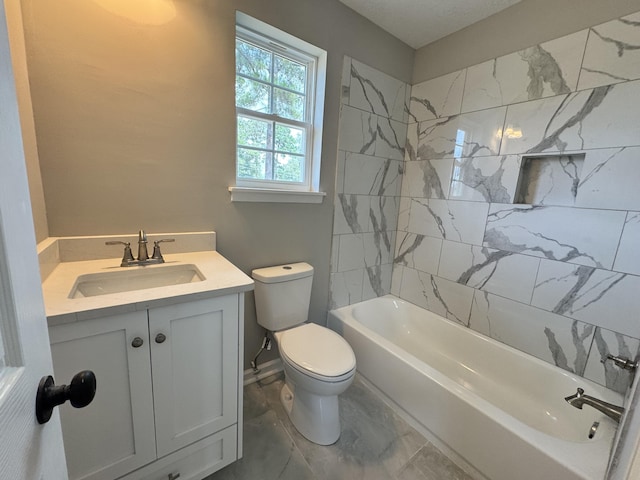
(289, 139)
(289, 168)
(288, 105)
(255, 133)
(252, 95)
(276, 108)
(251, 163)
(289, 74)
(253, 61)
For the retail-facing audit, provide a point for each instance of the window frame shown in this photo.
(255, 32)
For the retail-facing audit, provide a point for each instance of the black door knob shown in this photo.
(79, 392)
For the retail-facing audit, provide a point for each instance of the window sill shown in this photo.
(266, 195)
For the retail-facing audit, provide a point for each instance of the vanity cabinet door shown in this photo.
(194, 357)
(115, 433)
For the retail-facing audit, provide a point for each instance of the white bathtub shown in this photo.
(502, 411)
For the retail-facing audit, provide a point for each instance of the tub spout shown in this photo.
(579, 399)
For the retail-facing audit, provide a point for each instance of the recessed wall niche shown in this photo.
(549, 180)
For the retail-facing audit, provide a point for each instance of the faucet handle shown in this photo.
(622, 362)
(127, 257)
(156, 248)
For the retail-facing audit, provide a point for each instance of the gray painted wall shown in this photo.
(13, 12)
(135, 124)
(526, 23)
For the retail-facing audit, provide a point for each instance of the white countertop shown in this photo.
(221, 278)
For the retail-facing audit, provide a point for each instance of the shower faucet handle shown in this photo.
(622, 362)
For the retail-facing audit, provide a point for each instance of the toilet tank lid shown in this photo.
(282, 273)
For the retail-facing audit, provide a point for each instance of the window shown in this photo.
(279, 100)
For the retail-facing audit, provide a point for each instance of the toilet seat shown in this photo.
(317, 352)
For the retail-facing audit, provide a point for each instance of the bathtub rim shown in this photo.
(340, 313)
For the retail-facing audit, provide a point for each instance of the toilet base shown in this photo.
(286, 398)
(316, 417)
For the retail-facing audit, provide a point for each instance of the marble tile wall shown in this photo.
(373, 130)
(558, 278)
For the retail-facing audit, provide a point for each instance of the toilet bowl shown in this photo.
(318, 368)
(318, 363)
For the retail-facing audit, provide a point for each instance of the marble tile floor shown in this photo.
(375, 444)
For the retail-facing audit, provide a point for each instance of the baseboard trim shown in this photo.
(266, 370)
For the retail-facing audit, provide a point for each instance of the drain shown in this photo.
(592, 430)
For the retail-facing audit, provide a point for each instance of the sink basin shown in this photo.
(140, 278)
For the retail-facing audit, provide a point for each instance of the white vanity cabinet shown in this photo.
(195, 370)
(115, 433)
(168, 397)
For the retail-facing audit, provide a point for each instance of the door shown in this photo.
(27, 450)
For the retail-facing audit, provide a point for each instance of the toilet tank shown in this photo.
(282, 295)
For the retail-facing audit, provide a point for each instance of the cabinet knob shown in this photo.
(137, 342)
(160, 338)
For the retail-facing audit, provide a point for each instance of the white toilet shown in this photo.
(318, 363)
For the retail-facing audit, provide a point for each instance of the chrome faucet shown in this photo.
(143, 253)
(622, 362)
(579, 398)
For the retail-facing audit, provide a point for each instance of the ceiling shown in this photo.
(419, 22)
